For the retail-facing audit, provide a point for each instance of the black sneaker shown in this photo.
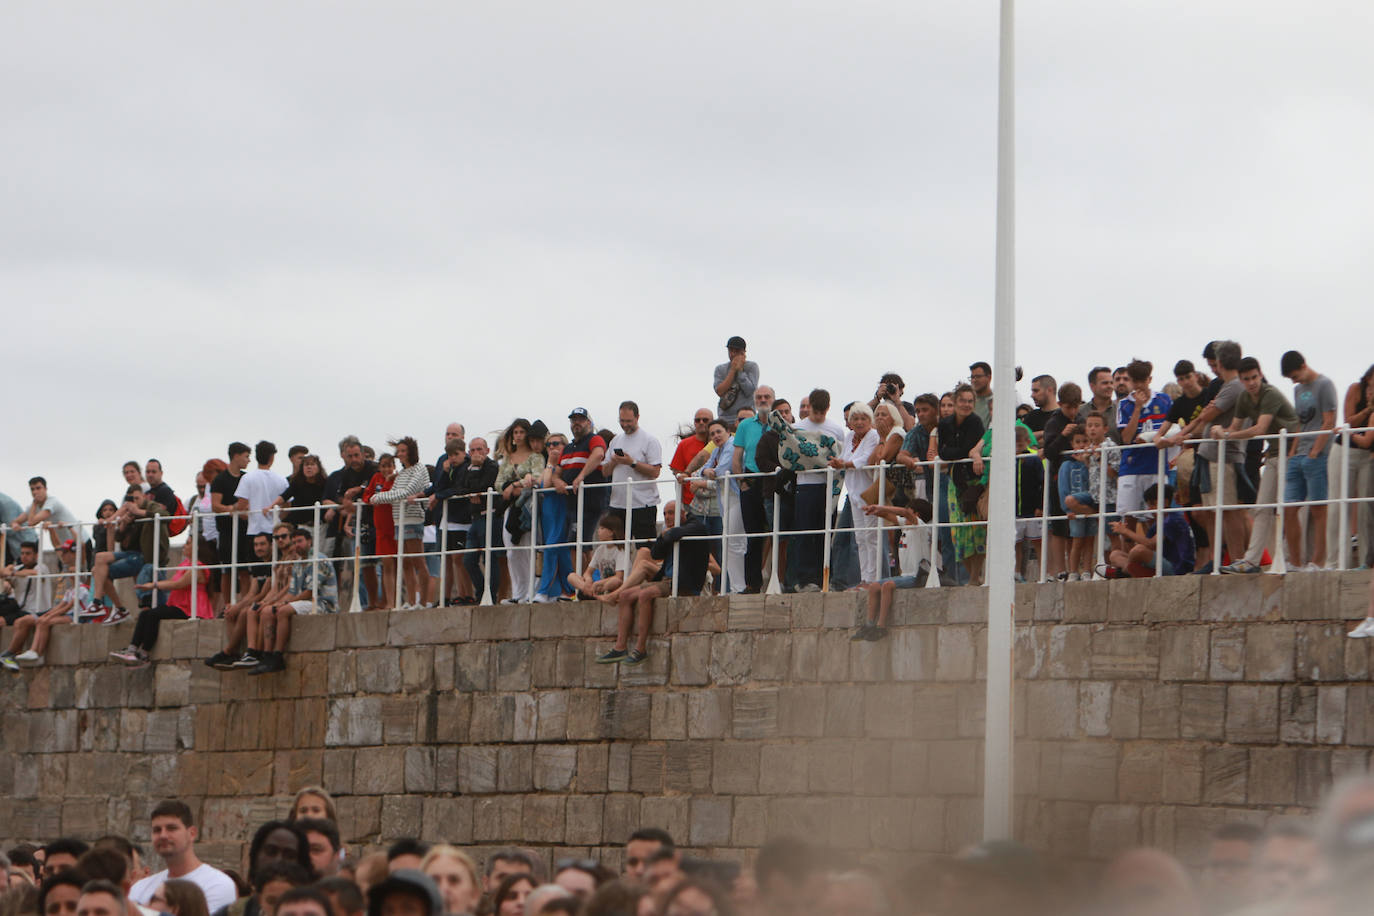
(876, 633)
(271, 663)
(249, 659)
(636, 657)
(861, 633)
(221, 661)
(613, 656)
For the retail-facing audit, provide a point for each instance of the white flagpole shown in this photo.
(997, 746)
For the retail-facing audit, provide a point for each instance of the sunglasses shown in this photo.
(281, 537)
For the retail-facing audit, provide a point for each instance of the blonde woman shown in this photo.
(456, 876)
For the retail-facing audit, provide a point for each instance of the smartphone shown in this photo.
(620, 451)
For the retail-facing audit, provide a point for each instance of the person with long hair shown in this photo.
(509, 899)
(521, 466)
(455, 874)
(408, 512)
(956, 436)
(1358, 450)
(180, 898)
(384, 530)
(304, 489)
(313, 803)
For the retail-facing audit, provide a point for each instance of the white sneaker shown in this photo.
(1365, 629)
(544, 599)
(29, 656)
(1313, 567)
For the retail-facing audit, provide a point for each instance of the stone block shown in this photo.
(1228, 654)
(620, 816)
(1310, 595)
(832, 656)
(830, 767)
(935, 715)
(497, 818)
(668, 717)
(625, 713)
(754, 713)
(735, 768)
(473, 667)
(419, 769)
(542, 819)
(379, 771)
(647, 763)
(687, 766)
(417, 667)
(513, 665)
(312, 633)
(670, 814)
(1345, 761)
(1113, 829)
(1069, 651)
(954, 768)
(1252, 714)
(400, 720)
(1182, 780)
(402, 816)
(1269, 652)
(592, 768)
(379, 671)
(1330, 715)
(1049, 602)
(954, 658)
(908, 767)
(1313, 776)
(1225, 773)
(749, 826)
(928, 824)
(361, 630)
(1273, 776)
(873, 768)
(1086, 602)
(1172, 598)
(691, 659)
(772, 656)
(844, 712)
(500, 622)
(1124, 652)
(1202, 711)
(709, 713)
(745, 612)
(1159, 710)
(452, 716)
(1085, 772)
(1359, 714)
(446, 820)
(841, 609)
(1126, 705)
(1298, 714)
(888, 710)
(552, 713)
(913, 653)
(172, 685)
(1094, 708)
(1320, 652)
(731, 654)
(1052, 709)
(1183, 653)
(554, 767)
(783, 769)
(967, 605)
(1241, 597)
(493, 718)
(515, 769)
(1141, 775)
(870, 661)
(338, 771)
(582, 824)
(805, 661)
(343, 673)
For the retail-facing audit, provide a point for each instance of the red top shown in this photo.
(180, 598)
(383, 523)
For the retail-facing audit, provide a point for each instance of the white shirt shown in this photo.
(218, 887)
(830, 428)
(858, 478)
(260, 487)
(642, 447)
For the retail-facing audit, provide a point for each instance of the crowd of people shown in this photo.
(1128, 481)
(298, 866)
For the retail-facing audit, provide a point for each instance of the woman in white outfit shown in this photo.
(521, 468)
(859, 447)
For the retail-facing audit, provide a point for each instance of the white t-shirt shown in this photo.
(609, 559)
(218, 887)
(61, 515)
(827, 426)
(260, 487)
(642, 447)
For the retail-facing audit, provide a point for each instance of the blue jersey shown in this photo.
(1142, 457)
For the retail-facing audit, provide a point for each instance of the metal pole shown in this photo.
(933, 577)
(577, 556)
(314, 564)
(486, 550)
(1104, 462)
(533, 536)
(997, 742)
(1343, 523)
(629, 517)
(1159, 512)
(157, 558)
(400, 554)
(1045, 485)
(233, 558)
(723, 483)
(825, 545)
(195, 559)
(677, 487)
(1280, 564)
(775, 585)
(443, 555)
(357, 603)
(1219, 487)
(882, 532)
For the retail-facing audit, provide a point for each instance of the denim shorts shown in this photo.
(413, 533)
(900, 581)
(126, 563)
(1081, 528)
(1306, 479)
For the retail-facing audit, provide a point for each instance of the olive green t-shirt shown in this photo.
(1269, 403)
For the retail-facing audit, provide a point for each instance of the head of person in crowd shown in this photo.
(581, 877)
(1147, 882)
(855, 893)
(351, 451)
(618, 898)
(926, 408)
(278, 841)
(1121, 382)
(547, 895)
(1095, 428)
(764, 396)
(273, 880)
(580, 422)
(371, 871)
(211, 469)
(405, 853)
(407, 451)
(642, 844)
(629, 417)
(696, 897)
(386, 465)
(509, 898)
(783, 407)
(538, 435)
(304, 901)
(133, 474)
(239, 455)
(1100, 385)
(477, 452)
(296, 454)
(180, 897)
(964, 400)
(345, 896)
(323, 843)
(265, 453)
(59, 894)
(311, 470)
(1287, 859)
(663, 871)
(153, 473)
(997, 876)
(101, 898)
(1186, 375)
(789, 876)
(405, 892)
(138, 868)
(455, 874)
(506, 862)
(62, 854)
(1226, 874)
(1070, 399)
(104, 863)
(513, 437)
(947, 404)
(313, 802)
(980, 378)
(20, 865)
(1044, 392)
(1345, 828)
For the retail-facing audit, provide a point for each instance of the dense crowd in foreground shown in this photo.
(298, 867)
(1129, 481)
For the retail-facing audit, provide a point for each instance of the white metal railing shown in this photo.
(1339, 497)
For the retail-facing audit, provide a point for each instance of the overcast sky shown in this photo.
(299, 220)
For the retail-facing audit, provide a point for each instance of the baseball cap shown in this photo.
(579, 412)
(68, 544)
(735, 343)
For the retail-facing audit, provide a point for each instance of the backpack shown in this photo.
(177, 525)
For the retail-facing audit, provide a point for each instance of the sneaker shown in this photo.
(636, 657)
(7, 661)
(271, 663)
(613, 656)
(861, 633)
(248, 659)
(222, 661)
(509, 601)
(1240, 566)
(1313, 567)
(1363, 631)
(116, 615)
(140, 659)
(876, 633)
(544, 599)
(809, 587)
(29, 656)
(129, 654)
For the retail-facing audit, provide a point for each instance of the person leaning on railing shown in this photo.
(1358, 477)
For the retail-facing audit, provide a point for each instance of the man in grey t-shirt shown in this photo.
(735, 381)
(1305, 478)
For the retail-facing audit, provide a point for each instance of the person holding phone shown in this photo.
(635, 456)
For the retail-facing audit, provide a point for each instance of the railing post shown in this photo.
(314, 566)
(577, 556)
(397, 604)
(677, 488)
(1219, 487)
(1045, 485)
(233, 558)
(486, 549)
(775, 585)
(825, 545)
(534, 536)
(443, 555)
(630, 514)
(1159, 511)
(1104, 462)
(357, 603)
(1343, 523)
(42, 574)
(195, 558)
(157, 556)
(723, 482)
(882, 532)
(1280, 559)
(76, 572)
(933, 576)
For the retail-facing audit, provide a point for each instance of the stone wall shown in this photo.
(1147, 712)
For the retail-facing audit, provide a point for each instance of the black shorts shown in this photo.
(10, 610)
(455, 540)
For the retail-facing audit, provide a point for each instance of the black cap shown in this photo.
(538, 430)
(735, 343)
(405, 881)
(579, 412)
